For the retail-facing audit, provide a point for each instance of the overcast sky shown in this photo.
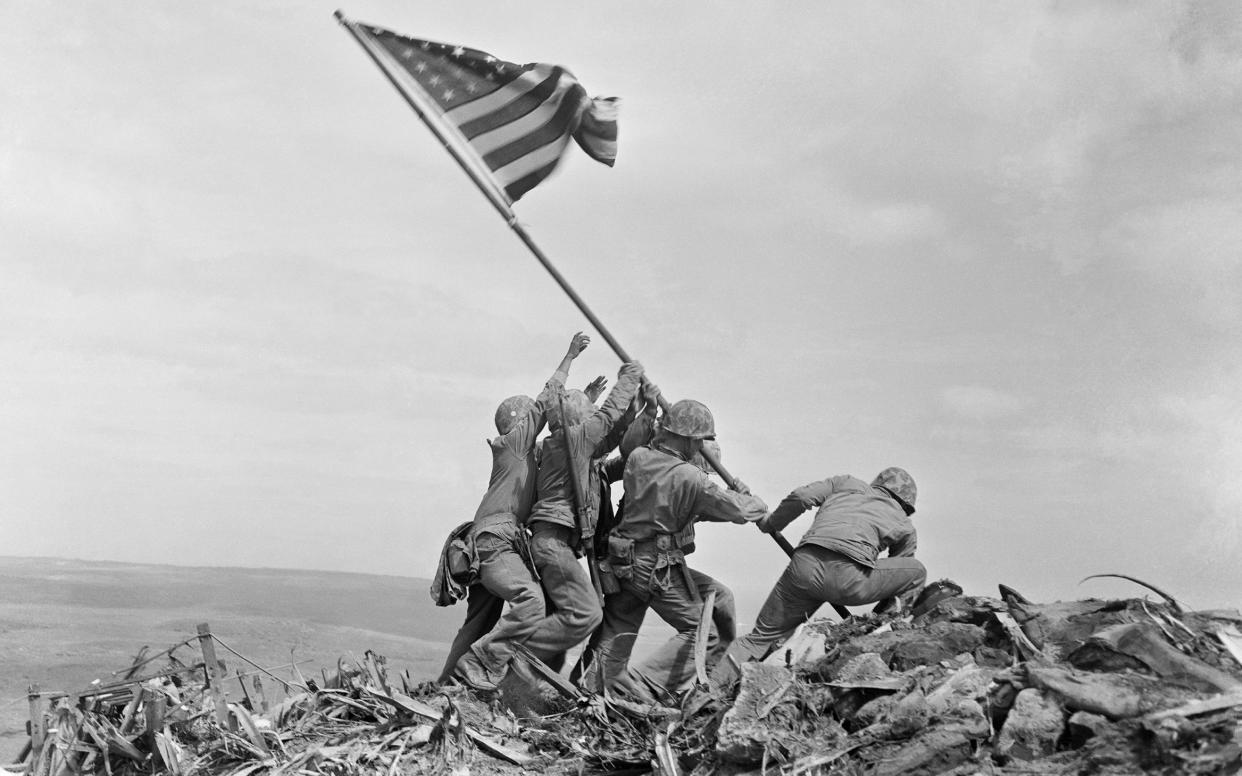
(251, 314)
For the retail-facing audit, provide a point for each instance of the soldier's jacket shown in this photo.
(854, 519)
(588, 440)
(664, 494)
(511, 488)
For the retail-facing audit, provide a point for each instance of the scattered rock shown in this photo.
(1033, 726)
(1083, 725)
(1112, 695)
(1144, 644)
(744, 734)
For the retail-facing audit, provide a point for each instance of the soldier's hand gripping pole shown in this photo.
(712, 459)
(516, 226)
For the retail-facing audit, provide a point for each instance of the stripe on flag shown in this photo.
(516, 119)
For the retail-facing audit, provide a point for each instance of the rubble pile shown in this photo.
(981, 685)
(959, 685)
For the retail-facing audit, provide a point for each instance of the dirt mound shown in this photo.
(970, 685)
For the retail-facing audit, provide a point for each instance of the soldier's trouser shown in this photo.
(504, 573)
(608, 652)
(816, 575)
(482, 613)
(662, 584)
(567, 585)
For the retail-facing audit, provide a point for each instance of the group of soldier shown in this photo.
(549, 503)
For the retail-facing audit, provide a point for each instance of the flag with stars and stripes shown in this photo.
(516, 119)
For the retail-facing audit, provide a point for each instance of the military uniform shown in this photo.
(837, 560)
(664, 494)
(505, 571)
(557, 535)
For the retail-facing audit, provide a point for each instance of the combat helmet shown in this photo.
(900, 485)
(510, 410)
(577, 407)
(691, 419)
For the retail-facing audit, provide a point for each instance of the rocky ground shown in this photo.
(959, 684)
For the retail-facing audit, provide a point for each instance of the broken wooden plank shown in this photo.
(214, 678)
(1205, 706)
(250, 728)
(374, 672)
(701, 636)
(38, 725)
(1231, 637)
(153, 712)
(422, 710)
(562, 685)
(1144, 643)
(1020, 640)
(665, 757)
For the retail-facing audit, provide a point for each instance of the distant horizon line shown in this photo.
(56, 558)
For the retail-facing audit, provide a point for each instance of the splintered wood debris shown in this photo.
(970, 685)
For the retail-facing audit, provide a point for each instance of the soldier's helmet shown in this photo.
(900, 484)
(691, 419)
(510, 410)
(577, 405)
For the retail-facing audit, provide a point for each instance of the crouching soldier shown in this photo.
(505, 572)
(566, 510)
(837, 560)
(664, 493)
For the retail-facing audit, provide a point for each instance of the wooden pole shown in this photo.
(215, 679)
(38, 726)
(500, 202)
(487, 186)
(154, 705)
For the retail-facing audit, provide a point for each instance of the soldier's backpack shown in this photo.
(458, 568)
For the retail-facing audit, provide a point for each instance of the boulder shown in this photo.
(1034, 724)
(1144, 644)
(1111, 695)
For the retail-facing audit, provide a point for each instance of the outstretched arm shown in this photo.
(796, 503)
(716, 504)
(595, 388)
(576, 346)
(603, 419)
(551, 389)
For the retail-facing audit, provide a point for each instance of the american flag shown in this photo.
(516, 118)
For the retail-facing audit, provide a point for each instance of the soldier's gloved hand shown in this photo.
(651, 395)
(741, 487)
(630, 368)
(595, 388)
(578, 344)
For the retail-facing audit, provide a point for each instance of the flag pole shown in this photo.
(502, 206)
(491, 192)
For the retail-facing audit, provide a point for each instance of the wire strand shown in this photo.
(261, 669)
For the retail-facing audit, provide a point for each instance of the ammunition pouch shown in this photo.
(608, 583)
(621, 557)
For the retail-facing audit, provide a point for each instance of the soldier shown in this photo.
(566, 510)
(664, 493)
(837, 560)
(505, 572)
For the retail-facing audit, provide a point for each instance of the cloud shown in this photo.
(1190, 248)
(1216, 420)
(978, 402)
